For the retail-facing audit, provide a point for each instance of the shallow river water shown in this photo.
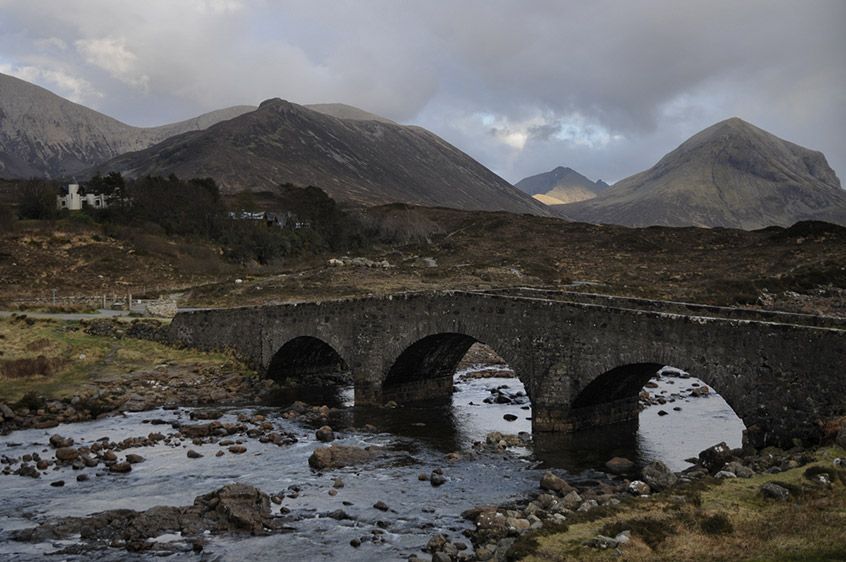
(418, 438)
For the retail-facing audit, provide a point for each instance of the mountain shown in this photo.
(45, 135)
(339, 149)
(344, 111)
(561, 185)
(731, 174)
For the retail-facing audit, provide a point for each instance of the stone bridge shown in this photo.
(582, 358)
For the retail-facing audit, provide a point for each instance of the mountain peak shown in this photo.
(731, 174)
(274, 102)
(560, 185)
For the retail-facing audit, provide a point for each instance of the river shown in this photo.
(419, 437)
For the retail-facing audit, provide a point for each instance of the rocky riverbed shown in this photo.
(341, 481)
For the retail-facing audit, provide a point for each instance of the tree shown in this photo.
(111, 184)
(38, 200)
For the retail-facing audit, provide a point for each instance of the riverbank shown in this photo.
(769, 505)
(54, 372)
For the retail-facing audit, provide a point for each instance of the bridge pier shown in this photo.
(567, 420)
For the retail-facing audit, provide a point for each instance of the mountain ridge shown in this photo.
(361, 161)
(731, 174)
(45, 135)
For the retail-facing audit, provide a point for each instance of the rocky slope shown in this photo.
(561, 185)
(340, 149)
(45, 135)
(731, 174)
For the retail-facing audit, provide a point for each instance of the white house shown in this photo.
(73, 198)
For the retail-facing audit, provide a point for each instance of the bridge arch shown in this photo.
(609, 393)
(424, 368)
(305, 358)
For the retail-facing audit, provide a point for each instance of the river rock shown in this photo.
(492, 523)
(237, 449)
(121, 467)
(6, 411)
(638, 488)
(67, 454)
(134, 459)
(236, 507)
(381, 506)
(658, 476)
(554, 483)
(437, 478)
(774, 491)
(59, 442)
(325, 434)
(739, 470)
(572, 500)
(700, 391)
(713, 458)
(619, 465)
(337, 456)
(436, 543)
(192, 454)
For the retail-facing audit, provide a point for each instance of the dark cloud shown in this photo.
(605, 87)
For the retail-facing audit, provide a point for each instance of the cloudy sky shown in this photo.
(605, 87)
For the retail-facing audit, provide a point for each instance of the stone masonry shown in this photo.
(582, 360)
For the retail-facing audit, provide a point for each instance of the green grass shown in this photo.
(730, 521)
(80, 360)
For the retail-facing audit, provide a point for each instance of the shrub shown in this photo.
(717, 524)
(651, 530)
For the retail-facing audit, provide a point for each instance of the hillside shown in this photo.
(561, 185)
(354, 159)
(45, 135)
(731, 174)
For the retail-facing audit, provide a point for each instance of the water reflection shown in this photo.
(673, 425)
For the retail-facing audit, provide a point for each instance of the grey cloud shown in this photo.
(645, 74)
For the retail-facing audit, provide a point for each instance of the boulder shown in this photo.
(67, 454)
(658, 476)
(59, 442)
(713, 458)
(325, 434)
(134, 459)
(619, 465)
(6, 411)
(437, 479)
(572, 500)
(554, 483)
(773, 491)
(121, 467)
(638, 488)
(739, 470)
(337, 456)
(492, 523)
(236, 507)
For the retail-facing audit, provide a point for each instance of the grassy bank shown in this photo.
(59, 359)
(717, 521)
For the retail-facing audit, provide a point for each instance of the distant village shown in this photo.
(75, 197)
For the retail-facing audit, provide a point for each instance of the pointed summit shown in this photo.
(732, 174)
(560, 185)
